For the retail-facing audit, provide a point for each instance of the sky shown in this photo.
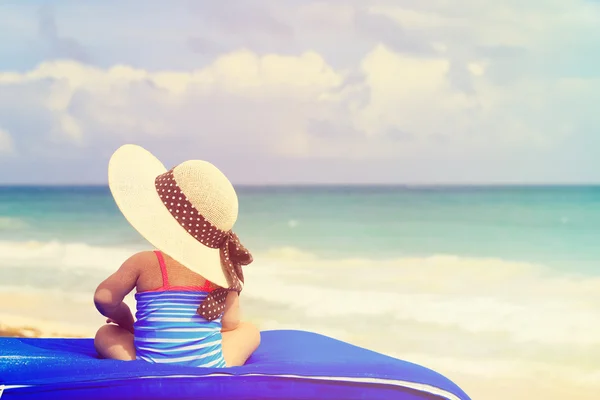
(302, 91)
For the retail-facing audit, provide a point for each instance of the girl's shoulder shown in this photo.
(139, 262)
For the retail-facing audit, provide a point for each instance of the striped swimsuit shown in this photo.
(168, 329)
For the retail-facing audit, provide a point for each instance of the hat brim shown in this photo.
(131, 174)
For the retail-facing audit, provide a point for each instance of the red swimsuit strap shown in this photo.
(163, 270)
(207, 287)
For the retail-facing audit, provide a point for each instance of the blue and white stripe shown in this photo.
(168, 330)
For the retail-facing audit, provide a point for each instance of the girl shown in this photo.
(187, 292)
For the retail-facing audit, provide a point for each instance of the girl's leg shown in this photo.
(114, 342)
(240, 343)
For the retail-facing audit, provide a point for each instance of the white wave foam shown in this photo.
(61, 255)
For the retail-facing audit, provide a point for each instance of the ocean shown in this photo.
(496, 287)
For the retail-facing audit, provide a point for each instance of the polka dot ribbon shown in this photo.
(233, 254)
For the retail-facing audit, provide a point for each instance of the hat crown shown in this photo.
(209, 191)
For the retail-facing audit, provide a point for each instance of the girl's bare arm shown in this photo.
(109, 295)
(231, 315)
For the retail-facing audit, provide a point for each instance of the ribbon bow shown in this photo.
(233, 256)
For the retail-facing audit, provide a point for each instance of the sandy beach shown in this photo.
(15, 326)
(513, 378)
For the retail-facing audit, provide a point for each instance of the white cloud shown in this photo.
(232, 94)
(240, 71)
(306, 105)
(412, 95)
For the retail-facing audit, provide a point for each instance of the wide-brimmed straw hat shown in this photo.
(187, 212)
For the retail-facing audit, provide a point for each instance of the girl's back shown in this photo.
(168, 328)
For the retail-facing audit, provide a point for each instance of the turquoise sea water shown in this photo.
(556, 226)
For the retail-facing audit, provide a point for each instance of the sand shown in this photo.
(16, 326)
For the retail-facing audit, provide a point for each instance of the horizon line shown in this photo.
(338, 184)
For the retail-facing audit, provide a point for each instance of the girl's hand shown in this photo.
(127, 326)
(122, 317)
